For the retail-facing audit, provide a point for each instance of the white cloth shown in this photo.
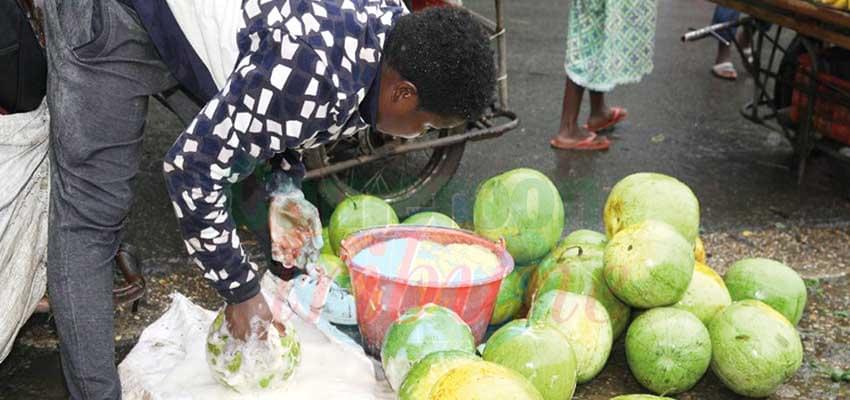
(24, 199)
(168, 363)
(210, 26)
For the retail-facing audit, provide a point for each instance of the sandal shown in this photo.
(725, 70)
(591, 143)
(134, 287)
(616, 116)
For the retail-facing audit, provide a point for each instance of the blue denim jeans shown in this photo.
(101, 70)
(723, 14)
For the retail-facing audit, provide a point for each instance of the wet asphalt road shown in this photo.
(682, 122)
(738, 170)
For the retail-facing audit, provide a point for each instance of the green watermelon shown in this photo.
(511, 293)
(327, 248)
(585, 323)
(642, 196)
(272, 362)
(539, 352)
(425, 373)
(357, 213)
(335, 269)
(755, 348)
(483, 380)
(584, 237)
(640, 397)
(418, 332)
(578, 269)
(770, 282)
(591, 244)
(522, 207)
(706, 295)
(649, 265)
(668, 350)
(429, 218)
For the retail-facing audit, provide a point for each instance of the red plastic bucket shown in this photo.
(382, 299)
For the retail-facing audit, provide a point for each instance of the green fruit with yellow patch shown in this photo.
(706, 294)
(578, 269)
(755, 349)
(585, 323)
(424, 375)
(649, 264)
(484, 380)
(651, 196)
(770, 282)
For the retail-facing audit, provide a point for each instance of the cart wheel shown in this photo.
(408, 181)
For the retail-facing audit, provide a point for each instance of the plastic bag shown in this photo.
(24, 200)
(168, 362)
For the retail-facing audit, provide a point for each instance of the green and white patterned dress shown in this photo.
(610, 42)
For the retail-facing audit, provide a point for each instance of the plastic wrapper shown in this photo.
(168, 363)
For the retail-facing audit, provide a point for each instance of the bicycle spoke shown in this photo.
(391, 178)
(350, 173)
(368, 183)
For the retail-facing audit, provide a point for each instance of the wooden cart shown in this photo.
(797, 27)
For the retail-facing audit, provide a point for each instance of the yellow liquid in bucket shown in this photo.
(428, 262)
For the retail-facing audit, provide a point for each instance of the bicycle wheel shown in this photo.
(408, 181)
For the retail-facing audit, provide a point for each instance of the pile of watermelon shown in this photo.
(569, 299)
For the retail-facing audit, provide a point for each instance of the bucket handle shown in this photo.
(343, 253)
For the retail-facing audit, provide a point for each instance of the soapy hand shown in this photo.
(296, 230)
(250, 318)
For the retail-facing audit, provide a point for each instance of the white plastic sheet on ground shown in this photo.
(168, 363)
(24, 198)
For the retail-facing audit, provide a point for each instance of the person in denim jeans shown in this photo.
(278, 77)
(723, 67)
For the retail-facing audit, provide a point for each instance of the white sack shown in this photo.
(24, 191)
(169, 363)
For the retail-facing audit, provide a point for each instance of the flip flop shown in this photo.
(591, 143)
(617, 115)
(725, 70)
